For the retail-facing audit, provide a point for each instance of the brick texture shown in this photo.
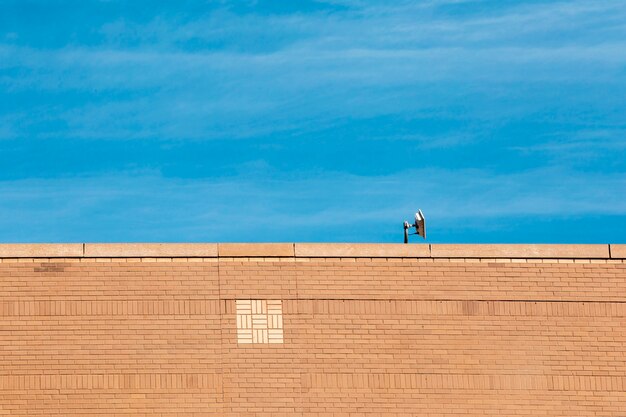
(396, 336)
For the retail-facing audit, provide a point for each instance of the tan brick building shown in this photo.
(312, 330)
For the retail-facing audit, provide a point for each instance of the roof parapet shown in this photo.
(310, 250)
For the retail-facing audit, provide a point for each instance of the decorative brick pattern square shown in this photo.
(259, 321)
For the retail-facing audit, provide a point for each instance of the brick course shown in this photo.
(376, 331)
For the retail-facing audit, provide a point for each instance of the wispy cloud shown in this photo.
(565, 142)
(204, 77)
(311, 119)
(272, 206)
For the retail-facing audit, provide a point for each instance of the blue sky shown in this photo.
(504, 121)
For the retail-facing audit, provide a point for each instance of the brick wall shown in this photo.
(376, 330)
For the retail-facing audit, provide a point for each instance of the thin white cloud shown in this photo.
(228, 76)
(129, 206)
(205, 78)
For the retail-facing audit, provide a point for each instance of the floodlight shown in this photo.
(419, 225)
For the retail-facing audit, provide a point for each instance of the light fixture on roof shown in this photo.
(419, 225)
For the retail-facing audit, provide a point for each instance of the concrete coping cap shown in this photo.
(310, 250)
